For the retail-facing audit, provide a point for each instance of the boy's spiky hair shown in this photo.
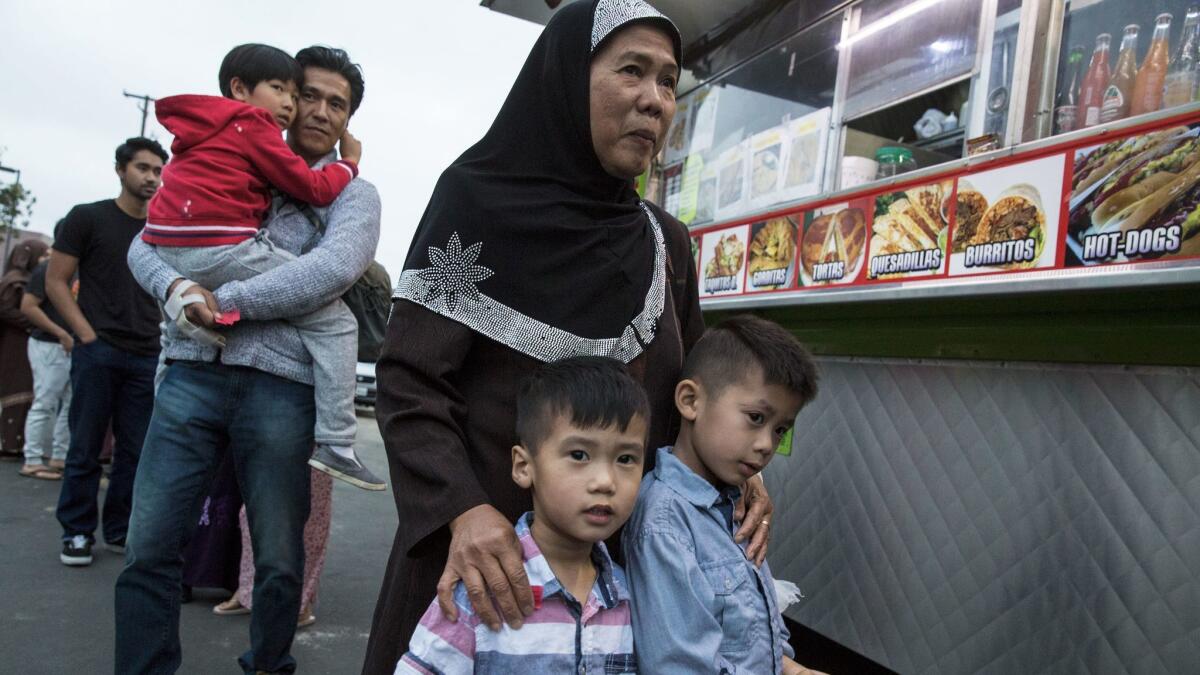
(739, 344)
(253, 63)
(590, 391)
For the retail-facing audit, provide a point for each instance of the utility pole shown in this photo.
(144, 107)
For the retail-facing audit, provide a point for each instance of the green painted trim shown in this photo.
(1153, 326)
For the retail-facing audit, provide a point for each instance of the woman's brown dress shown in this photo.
(16, 379)
(447, 408)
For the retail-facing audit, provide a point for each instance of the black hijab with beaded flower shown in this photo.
(527, 239)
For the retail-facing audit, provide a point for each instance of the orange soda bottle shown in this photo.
(1148, 87)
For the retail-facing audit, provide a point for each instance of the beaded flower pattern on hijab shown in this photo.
(611, 14)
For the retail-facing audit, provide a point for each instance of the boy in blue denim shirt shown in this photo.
(699, 605)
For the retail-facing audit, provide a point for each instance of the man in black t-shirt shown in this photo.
(50, 345)
(116, 349)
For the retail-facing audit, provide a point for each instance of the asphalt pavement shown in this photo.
(58, 619)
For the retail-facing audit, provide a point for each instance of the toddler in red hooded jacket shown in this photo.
(206, 219)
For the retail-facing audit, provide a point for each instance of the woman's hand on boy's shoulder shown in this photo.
(485, 555)
(754, 511)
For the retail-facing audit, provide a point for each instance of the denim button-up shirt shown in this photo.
(699, 605)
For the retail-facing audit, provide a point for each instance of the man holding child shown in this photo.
(254, 396)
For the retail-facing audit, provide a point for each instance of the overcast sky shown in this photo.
(436, 73)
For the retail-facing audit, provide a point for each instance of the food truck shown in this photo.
(983, 217)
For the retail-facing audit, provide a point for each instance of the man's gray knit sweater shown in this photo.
(262, 339)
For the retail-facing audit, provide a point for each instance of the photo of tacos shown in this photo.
(772, 254)
(908, 233)
(1136, 199)
(831, 250)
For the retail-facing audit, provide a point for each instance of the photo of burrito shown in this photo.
(909, 222)
(970, 205)
(1007, 218)
(836, 237)
(1139, 183)
(1018, 215)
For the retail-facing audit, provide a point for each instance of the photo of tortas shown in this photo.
(831, 251)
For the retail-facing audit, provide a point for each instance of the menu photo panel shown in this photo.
(1136, 199)
(771, 257)
(833, 247)
(1007, 219)
(723, 261)
(909, 231)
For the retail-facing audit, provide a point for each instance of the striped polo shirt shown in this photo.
(561, 636)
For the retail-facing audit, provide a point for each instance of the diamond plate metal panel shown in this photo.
(951, 517)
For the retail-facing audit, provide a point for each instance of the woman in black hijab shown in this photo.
(534, 247)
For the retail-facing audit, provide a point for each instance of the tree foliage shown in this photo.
(16, 205)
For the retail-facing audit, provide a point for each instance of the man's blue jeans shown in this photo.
(109, 384)
(267, 424)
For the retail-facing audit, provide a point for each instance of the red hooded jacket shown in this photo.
(217, 187)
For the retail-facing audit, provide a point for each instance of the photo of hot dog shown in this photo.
(1144, 208)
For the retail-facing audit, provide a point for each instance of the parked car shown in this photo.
(364, 389)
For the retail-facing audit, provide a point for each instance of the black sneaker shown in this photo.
(77, 551)
(117, 546)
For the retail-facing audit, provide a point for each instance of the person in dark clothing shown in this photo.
(16, 378)
(534, 247)
(116, 349)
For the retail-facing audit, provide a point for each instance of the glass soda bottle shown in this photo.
(1066, 105)
(1148, 86)
(1181, 81)
(1091, 92)
(1119, 93)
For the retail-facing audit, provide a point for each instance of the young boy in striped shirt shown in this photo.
(582, 424)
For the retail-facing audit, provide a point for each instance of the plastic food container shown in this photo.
(857, 171)
(893, 160)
